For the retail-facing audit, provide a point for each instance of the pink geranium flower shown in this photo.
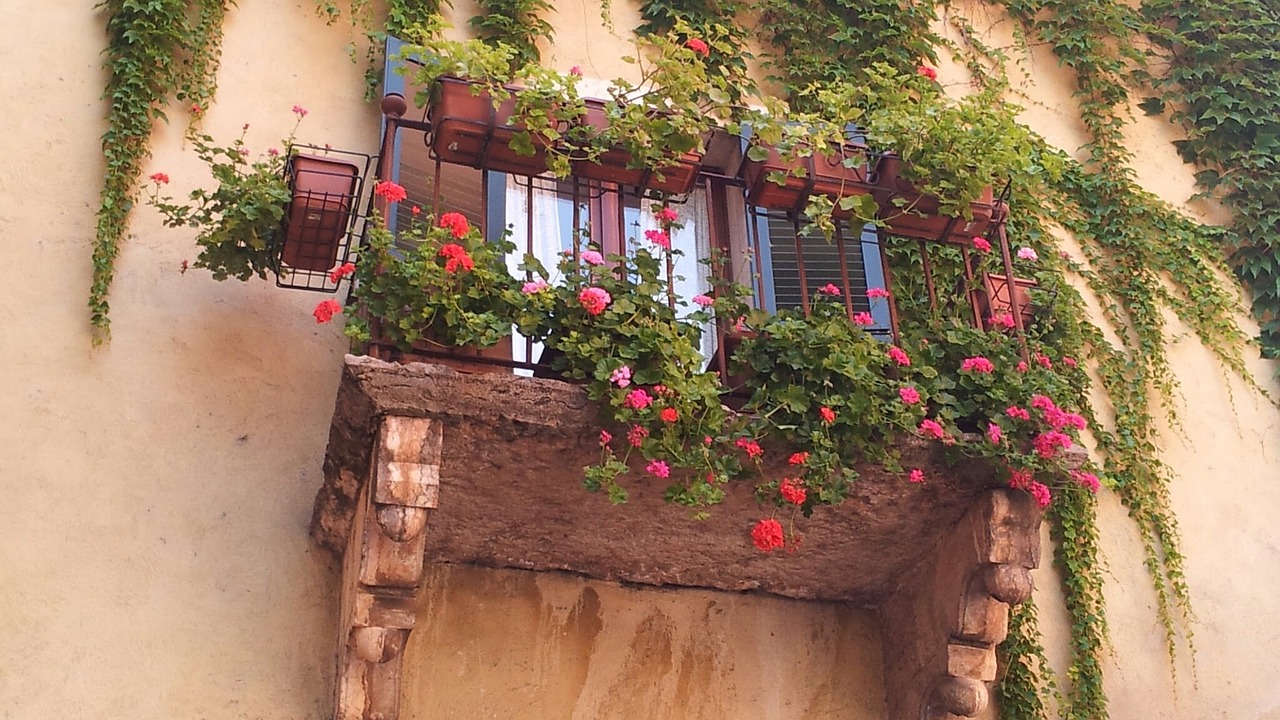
(534, 286)
(638, 399)
(594, 300)
(863, 319)
(830, 289)
(875, 293)
(1041, 493)
(927, 71)
(899, 355)
(659, 238)
(909, 395)
(621, 377)
(977, 364)
(698, 46)
(931, 429)
(591, 257)
(658, 468)
(993, 433)
(1027, 253)
(916, 476)
(636, 435)
(666, 216)
(703, 300)
(1087, 480)
(981, 244)
(1047, 444)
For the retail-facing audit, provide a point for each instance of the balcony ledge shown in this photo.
(429, 465)
(511, 495)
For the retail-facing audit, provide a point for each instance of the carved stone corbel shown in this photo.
(941, 627)
(383, 567)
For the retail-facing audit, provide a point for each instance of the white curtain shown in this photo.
(545, 245)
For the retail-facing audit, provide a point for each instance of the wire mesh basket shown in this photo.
(325, 215)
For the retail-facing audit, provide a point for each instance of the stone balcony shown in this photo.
(428, 465)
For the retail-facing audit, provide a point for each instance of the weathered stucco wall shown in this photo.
(508, 643)
(154, 552)
(156, 491)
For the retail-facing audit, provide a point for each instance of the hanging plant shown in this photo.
(145, 40)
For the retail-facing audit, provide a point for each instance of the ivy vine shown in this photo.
(518, 24)
(1141, 257)
(1223, 88)
(156, 49)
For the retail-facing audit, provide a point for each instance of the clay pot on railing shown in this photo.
(835, 174)
(324, 194)
(994, 298)
(918, 215)
(465, 358)
(467, 129)
(614, 164)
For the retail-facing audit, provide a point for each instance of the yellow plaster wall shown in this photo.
(154, 560)
(153, 554)
(506, 644)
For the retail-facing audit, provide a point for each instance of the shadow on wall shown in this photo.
(514, 643)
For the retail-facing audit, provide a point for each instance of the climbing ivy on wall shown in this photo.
(1223, 87)
(518, 24)
(1141, 258)
(711, 20)
(156, 49)
(831, 41)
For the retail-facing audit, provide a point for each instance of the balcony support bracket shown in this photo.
(383, 566)
(942, 625)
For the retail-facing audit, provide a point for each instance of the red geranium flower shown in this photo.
(341, 271)
(767, 535)
(456, 223)
(669, 415)
(750, 447)
(325, 311)
(698, 46)
(458, 259)
(828, 415)
(928, 72)
(793, 491)
(390, 191)
(160, 179)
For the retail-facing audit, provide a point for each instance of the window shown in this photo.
(542, 216)
(795, 263)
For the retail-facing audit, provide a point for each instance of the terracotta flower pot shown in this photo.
(919, 216)
(994, 299)
(465, 358)
(823, 174)
(324, 192)
(612, 165)
(466, 129)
